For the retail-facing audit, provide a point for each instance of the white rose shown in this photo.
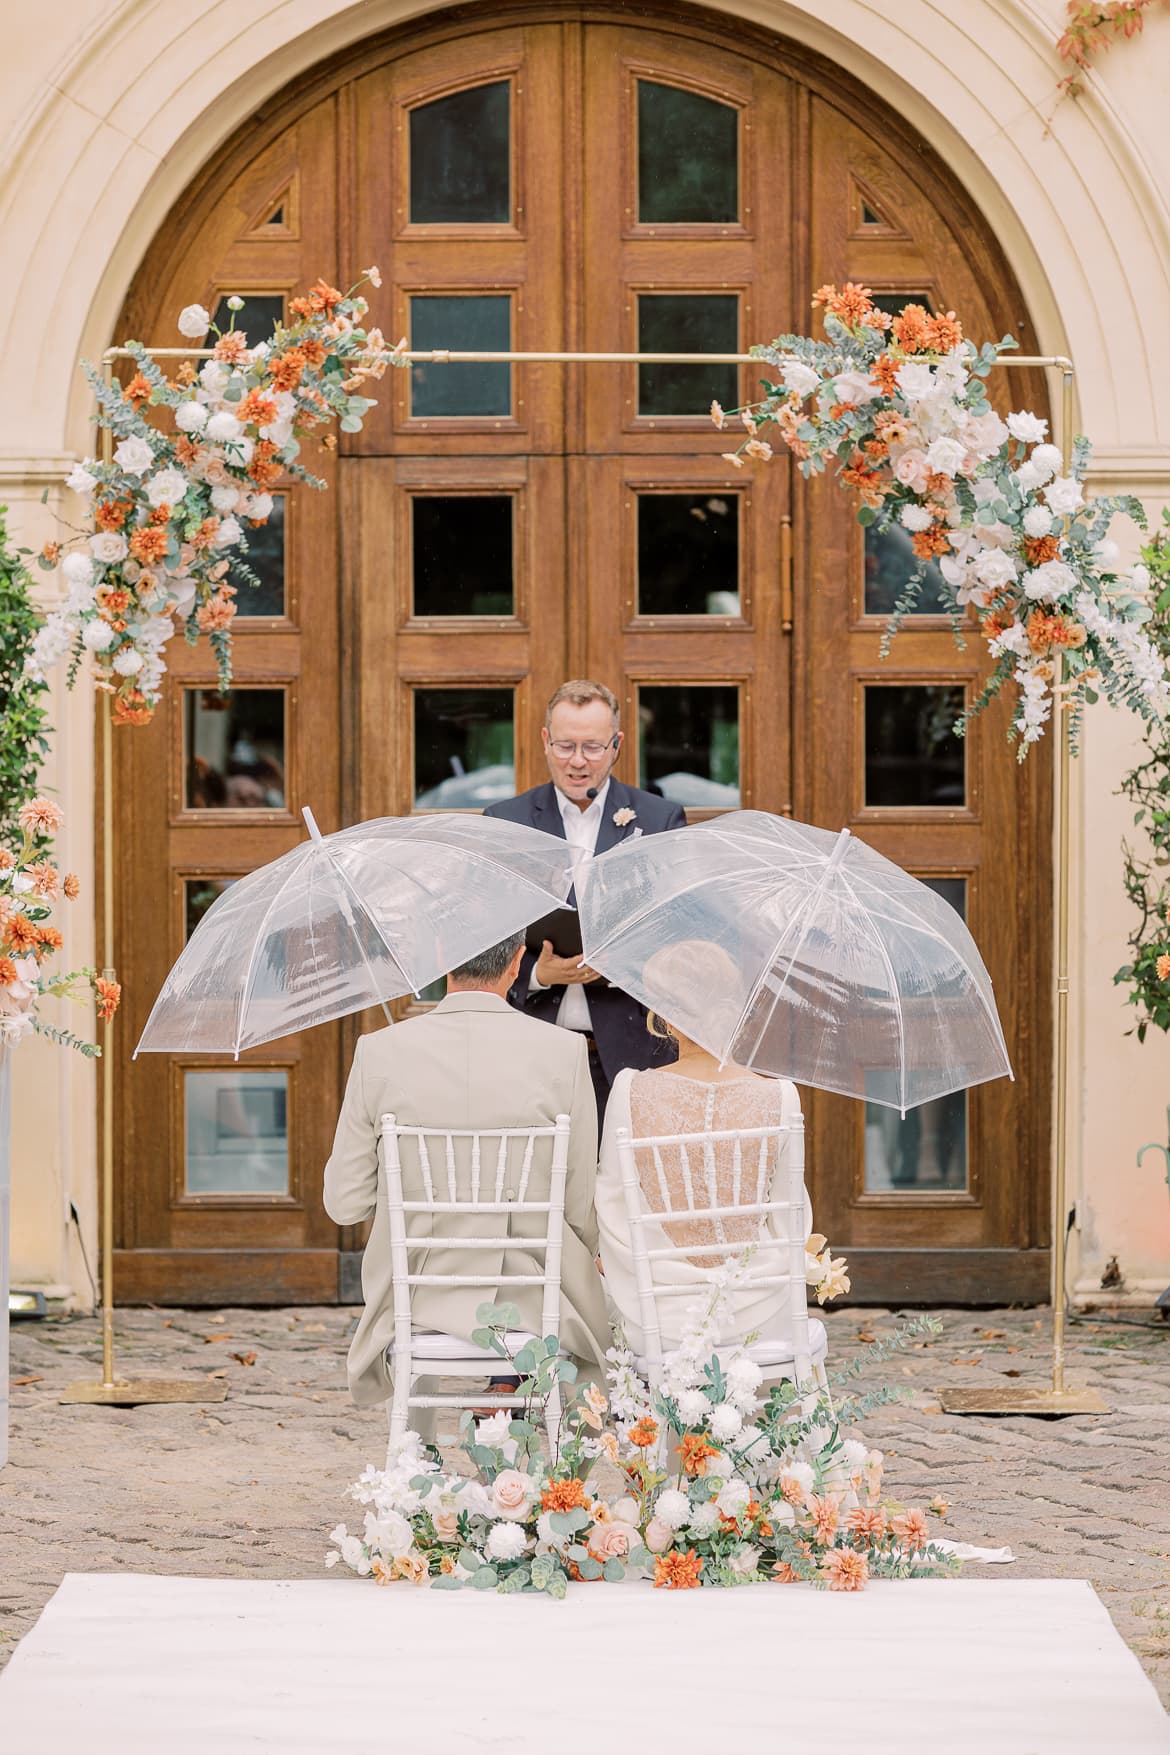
(229, 533)
(389, 1532)
(745, 1560)
(260, 507)
(915, 381)
(672, 1508)
(733, 1497)
(1064, 495)
(1048, 458)
(279, 433)
(182, 598)
(726, 1421)
(194, 322)
(855, 387)
(97, 635)
(214, 376)
(945, 456)
(166, 488)
(994, 568)
(1037, 521)
(506, 1541)
(77, 568)
(797, 376)
(915, 518)
(781, 1515)
(80, 479)
(1140, 578)
(1028, 428)
(1046, 583)
(128, 662)
(109, 547)
(191, 417)
(134, 455)
(223, 426)
(224, 498)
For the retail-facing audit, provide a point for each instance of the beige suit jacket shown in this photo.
(472, 1062)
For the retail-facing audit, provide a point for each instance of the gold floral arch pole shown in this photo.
(898, 405)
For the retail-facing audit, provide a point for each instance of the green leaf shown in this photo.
(589, 1567)
(543, 1569)
(639, 1556)
(867, 515)
(525, 1359)
(613, 1571)
(566, 1371)
(515, 1581)
(552, 1346)
(446, 1582)
(470, 1560)
(484, 1578)
(350, 423)
(558, 1587)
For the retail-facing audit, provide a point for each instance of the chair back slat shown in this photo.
(771, 1158)
(484, 1189)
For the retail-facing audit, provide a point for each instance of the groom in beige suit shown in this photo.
(471, 1062)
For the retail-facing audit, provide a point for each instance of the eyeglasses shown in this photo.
(563, 749)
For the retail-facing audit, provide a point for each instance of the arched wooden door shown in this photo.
(559, 177)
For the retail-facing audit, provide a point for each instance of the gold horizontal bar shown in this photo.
(441, 356)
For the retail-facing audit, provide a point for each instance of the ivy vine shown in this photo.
(1147, 879)
(24, 727)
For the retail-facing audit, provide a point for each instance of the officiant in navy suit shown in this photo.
(592, 811)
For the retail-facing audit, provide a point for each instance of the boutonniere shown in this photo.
(624, 816)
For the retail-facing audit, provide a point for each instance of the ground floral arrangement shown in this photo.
(721, 1488)
(30, 885)
(900, 406)
(169, 511)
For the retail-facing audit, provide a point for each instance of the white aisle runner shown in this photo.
(129, 1665)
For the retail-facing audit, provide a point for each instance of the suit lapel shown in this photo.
(609, 833)
(546, 813)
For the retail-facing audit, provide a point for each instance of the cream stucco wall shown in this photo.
(106, 116)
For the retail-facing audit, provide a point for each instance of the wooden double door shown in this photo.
(556, 177)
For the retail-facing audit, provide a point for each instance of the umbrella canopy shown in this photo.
(796, 952)
(351, 920)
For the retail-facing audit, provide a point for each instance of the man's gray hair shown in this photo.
(489, 965)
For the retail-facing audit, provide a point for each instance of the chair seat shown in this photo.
(771, 1353)
(442, 1347)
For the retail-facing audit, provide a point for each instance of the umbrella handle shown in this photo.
(311, 823)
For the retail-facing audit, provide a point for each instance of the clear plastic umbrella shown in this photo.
(351, 920)
(796, 952)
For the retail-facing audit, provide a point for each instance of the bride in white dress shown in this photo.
(694, 1096)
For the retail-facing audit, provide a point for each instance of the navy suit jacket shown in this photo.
(619, 1022)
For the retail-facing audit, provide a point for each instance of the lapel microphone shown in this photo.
(592, 791)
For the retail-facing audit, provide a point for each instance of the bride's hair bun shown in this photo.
(659, 1027)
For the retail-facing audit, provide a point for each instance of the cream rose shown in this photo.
(611, 1541)
(659, 1536)
(445, 1525)
(511, 1494)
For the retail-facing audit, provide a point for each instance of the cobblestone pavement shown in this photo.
(249, 1487)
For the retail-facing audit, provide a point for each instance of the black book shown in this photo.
(562, 927)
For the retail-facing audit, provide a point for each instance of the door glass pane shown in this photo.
(464, 743)
(892, 303)
(265, 558)
(258, 318)
(688, 158)
(198, 895)
(688, 744)
(687, 323)
(889, 562)
(465, 325)
(235, 749)
(459, 158)
(462, 554)
(236, 1132)
(688, 554)
(912, 756)
(927, 1150)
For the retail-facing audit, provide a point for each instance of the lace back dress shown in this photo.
(710, 1173)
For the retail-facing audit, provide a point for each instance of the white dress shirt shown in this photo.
(582, 828)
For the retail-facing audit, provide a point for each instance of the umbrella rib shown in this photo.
(247, 982)
(885, 957)
(485, 859)
(340, 871)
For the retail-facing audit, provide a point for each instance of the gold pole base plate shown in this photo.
(137, 1392)
(1042, 1404)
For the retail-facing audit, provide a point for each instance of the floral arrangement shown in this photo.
(169, 510)
(1147, 975)
(899, 406)
(757, 1491)
(29, 886)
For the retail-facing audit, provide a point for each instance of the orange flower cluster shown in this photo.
(852, 305)
(644, 1433)
(1040, 549)
(132, 708)
(148, 544)
(678, 1570)
(563, 1495)
(109, 993)
(1046, 631)
(916, 331)
(695, 1452)
(927, 544)
(137, 391)
(846, 1570)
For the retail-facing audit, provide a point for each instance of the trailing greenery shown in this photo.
(24, 727)
(1147, 878)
